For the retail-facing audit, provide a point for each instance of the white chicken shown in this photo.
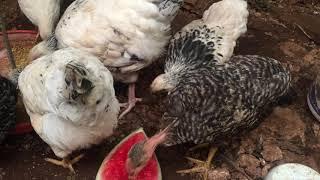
(42, 13)
(71, 102)
(126, 35)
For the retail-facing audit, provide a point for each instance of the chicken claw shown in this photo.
(66, 163)
(131, 101)
(202, 167)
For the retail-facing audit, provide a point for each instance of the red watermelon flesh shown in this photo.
(113, 166)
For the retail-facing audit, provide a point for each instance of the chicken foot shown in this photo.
(202, 167)
(65, 162)
(132, 100)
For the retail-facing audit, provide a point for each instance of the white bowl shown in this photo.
(292, 171)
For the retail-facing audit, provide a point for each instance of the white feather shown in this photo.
(232, 16)
(96, 26)
(42, 13)
(67, 126)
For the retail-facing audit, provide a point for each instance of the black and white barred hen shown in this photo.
(8, 89)
(211, 96)
(8, 100)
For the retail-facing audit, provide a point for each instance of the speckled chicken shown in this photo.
(8, 90)
(8, 100)
(126, 35)
(71, 102)
(42, 13)
(210, 95)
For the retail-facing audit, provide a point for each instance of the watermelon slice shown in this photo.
(113, 166)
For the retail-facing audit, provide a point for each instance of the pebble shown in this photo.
(271, 153)
(250, 164)
(219, 174)
(292, 49)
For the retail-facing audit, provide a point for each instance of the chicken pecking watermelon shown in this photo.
(113, 166)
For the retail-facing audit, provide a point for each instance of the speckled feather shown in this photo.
(192, 49)
(169, 8)
(211, 94)
(214, 100)
(211, 38)
(8, 100)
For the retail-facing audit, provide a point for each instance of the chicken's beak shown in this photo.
(158, 84)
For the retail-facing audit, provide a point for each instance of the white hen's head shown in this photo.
(84, 78)
(82, 85)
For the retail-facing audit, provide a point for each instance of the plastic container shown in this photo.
(292, 171)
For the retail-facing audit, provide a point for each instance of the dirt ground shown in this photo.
(287, 30)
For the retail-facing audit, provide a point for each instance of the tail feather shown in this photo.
(229, 18)
(170, 8)
(232, 15)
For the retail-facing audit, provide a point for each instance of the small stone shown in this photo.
(219, 174)
(247, 160)
(316, 130)
(292, 49)
(286, 123)
(315, 147)
(271, 153)
(312, 56)
(265, 170)
(239, 176)
(250, 164)
(257, 14)
(262, 162)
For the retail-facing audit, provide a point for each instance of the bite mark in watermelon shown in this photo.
(113, 166)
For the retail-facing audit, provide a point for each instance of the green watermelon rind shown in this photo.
(140, 130)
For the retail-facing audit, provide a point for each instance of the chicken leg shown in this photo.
(65, 162)
(202, 167)
(37, 39)
(132, 100)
